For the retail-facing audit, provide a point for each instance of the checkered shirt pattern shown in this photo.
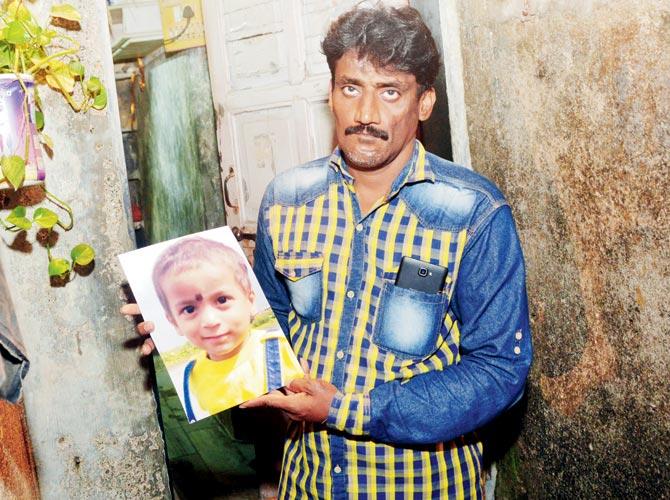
(329, 234)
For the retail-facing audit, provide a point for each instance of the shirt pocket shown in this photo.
(302, 272)
(409, 321)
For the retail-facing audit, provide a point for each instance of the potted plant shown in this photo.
(34, 56)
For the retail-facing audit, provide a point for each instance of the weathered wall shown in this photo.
(568, 106)
(91, 419)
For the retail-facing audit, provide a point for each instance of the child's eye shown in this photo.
(188, 310)
(222, 300)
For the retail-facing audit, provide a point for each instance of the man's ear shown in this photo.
(330, 95)
(426, 103)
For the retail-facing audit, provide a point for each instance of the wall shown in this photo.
(568, 107)
(90, 414)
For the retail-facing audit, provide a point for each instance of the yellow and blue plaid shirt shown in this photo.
(416, 373)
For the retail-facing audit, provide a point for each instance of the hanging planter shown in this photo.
(31, 56)
(18, 132)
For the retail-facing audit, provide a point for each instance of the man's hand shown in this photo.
(144, 328)
(305, 399)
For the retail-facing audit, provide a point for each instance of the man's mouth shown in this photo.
(367, 130)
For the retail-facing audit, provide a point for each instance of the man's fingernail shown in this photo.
(128, 317)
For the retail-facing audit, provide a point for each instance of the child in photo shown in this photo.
(205, 290)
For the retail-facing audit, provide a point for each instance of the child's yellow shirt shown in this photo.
(218, 385)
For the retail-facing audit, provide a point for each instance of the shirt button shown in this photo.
(517, 350)
(337, 469)
(519, 335)
(340, 354)
(350, 294)
(359, 227)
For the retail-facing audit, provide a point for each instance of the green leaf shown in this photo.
(18, 11)
(45, 218)
(43, 40)
(82, 254)
(65, 11)
(39, 120)
(14, 170)
(100, 100)
(59, 72)
(59, 267)
(5, 56)
(19, 211)
(93, 85)
(16, 34)
(46, 139)
(76, 68)
(18, 218)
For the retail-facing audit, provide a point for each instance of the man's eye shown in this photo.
(349, 90)
(188, 310)
(222, 300)
(391, 94)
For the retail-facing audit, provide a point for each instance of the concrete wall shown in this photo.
(91, 417)
(568, 106)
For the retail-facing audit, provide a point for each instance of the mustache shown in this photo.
(367, 129)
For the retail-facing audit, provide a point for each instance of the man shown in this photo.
(400, 379)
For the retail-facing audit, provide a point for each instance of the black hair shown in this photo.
(391, 38)
(191, 252)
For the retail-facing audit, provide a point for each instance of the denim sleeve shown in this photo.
(271, 283)
(491, 306)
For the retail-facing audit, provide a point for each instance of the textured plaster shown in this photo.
(568, 107)
(91, 418)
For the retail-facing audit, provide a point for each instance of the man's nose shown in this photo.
(367, 111)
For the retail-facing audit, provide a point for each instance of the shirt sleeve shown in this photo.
(264, 261)
(14, 363)
(350, 413)
(491, 307)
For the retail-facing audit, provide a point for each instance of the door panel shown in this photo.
(266, 144)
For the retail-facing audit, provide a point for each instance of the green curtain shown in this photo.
(178, 155)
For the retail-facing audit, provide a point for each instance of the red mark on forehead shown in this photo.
(198, 297)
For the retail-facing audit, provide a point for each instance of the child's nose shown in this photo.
(210, 317)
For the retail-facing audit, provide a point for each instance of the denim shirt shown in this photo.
(13, 361)
(411, 368)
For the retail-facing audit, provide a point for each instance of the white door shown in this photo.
(270, 89)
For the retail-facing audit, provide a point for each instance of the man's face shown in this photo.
(209, 307)
(376, 112)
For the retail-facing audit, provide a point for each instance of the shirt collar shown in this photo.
(417, 169)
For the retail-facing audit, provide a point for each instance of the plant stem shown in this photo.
(38, 65)
(26, 117)
(16, 60)
(48, 247)
(56, 201)
(68, 97)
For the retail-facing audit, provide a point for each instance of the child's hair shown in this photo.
(189, 253)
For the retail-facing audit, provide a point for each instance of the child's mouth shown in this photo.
(214, 338)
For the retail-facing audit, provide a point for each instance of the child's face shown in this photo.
(209, 307)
